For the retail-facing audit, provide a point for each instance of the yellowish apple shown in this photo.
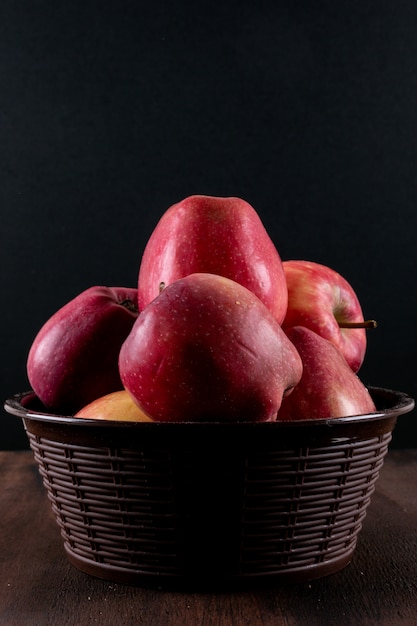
(117, 405)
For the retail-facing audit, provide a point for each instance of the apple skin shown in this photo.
(74, 357)
(118, 406)
(328, 386)
(216, 235)
(207, 349)
(319, 298)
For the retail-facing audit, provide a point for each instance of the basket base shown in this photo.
(208, 580)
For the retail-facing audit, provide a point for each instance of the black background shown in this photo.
(112, 111)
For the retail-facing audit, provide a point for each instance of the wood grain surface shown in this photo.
(38, 587)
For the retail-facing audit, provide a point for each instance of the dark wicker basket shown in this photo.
(210, 503)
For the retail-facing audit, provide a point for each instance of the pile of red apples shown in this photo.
(218, 329)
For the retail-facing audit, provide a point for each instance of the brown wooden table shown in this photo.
(39, 587)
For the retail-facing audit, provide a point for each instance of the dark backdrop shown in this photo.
(112, 111)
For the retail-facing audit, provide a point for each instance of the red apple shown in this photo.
(117, 405)
(322, 300)
(207, 349)
(74, 357)
(222, 236)
(328, 386)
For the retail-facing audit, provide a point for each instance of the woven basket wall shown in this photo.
(214, 502)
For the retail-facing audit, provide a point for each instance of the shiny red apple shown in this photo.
(321, 299)
(207, 349)
(328, 386)
(74, 357)
(216, 235)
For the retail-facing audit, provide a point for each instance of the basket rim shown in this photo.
(400, 403)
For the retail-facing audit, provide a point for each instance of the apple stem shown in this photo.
(130, 305)
(365, 324)
(161, 286)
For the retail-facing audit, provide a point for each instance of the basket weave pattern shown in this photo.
(306, 508)
(243, 513)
